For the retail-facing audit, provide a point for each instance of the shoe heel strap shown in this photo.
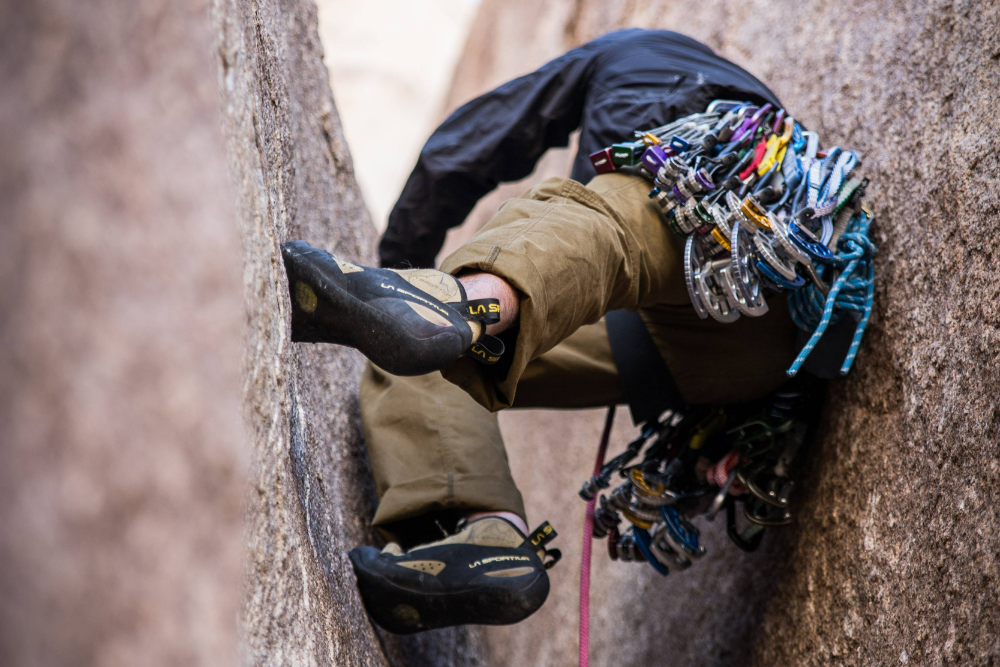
(486, 311)
(537, 540)
(487, 350)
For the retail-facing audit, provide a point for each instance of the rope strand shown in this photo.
(588, 534)
(853, 291)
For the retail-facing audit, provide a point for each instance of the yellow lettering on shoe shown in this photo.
(494, 307)
(545, 533)
(498, 559)
(481, 352)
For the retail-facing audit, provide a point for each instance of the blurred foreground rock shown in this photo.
(122, 465)
(894, 558)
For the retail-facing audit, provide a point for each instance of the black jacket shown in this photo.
(618, 83)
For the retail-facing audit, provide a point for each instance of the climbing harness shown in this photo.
(762, 210)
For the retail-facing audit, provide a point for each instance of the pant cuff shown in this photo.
(491, 390)
(448, 491)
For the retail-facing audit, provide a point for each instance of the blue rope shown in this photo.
(854, 290)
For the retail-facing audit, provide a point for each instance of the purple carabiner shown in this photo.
(750, 125)
(681, 199)
(654, 157)
(779, 118)
(704, 179)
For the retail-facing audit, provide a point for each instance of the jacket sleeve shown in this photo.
(494, 138)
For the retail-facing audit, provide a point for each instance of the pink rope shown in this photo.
(588, 533)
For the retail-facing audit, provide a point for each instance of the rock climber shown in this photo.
(514, 318)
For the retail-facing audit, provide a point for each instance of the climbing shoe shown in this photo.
(408, 322)
(488, 572)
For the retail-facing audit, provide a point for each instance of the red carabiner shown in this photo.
(758, 155)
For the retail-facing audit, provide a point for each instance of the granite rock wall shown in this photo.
(894, 557)
(311, 495)
(179, 485)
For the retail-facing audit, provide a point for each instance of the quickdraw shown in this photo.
(763, 209)
(699, 463)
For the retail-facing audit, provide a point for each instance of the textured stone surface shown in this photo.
(123, 319)
(121, 446)
(311, 495)
(894, 559)
(122, 315)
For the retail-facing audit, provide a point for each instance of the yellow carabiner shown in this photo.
(636, 521)
(718, 236)
(643, 487)
(755, 213)
(770, 151)
(651, 140)
(776, 145)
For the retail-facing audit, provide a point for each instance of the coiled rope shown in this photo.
(853, 291)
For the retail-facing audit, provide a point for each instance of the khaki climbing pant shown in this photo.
(573, 253)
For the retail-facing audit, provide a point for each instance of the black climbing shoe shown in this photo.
(486, 573)
(407, 322)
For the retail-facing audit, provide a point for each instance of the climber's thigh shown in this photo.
(715, 363)
(579, 372)
(711, 362)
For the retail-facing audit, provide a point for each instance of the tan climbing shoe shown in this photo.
(486, 573)
(407, 322)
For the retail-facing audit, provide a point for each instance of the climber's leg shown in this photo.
(571, 252)
(574, 253)
(409, 322)
(558, 257)
(436, 455)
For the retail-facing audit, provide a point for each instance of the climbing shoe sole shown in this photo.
(449, 585)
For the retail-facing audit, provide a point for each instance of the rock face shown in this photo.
(894, 558)
(311, 496)
(122, 453)
(129, 528)
(123, 458)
